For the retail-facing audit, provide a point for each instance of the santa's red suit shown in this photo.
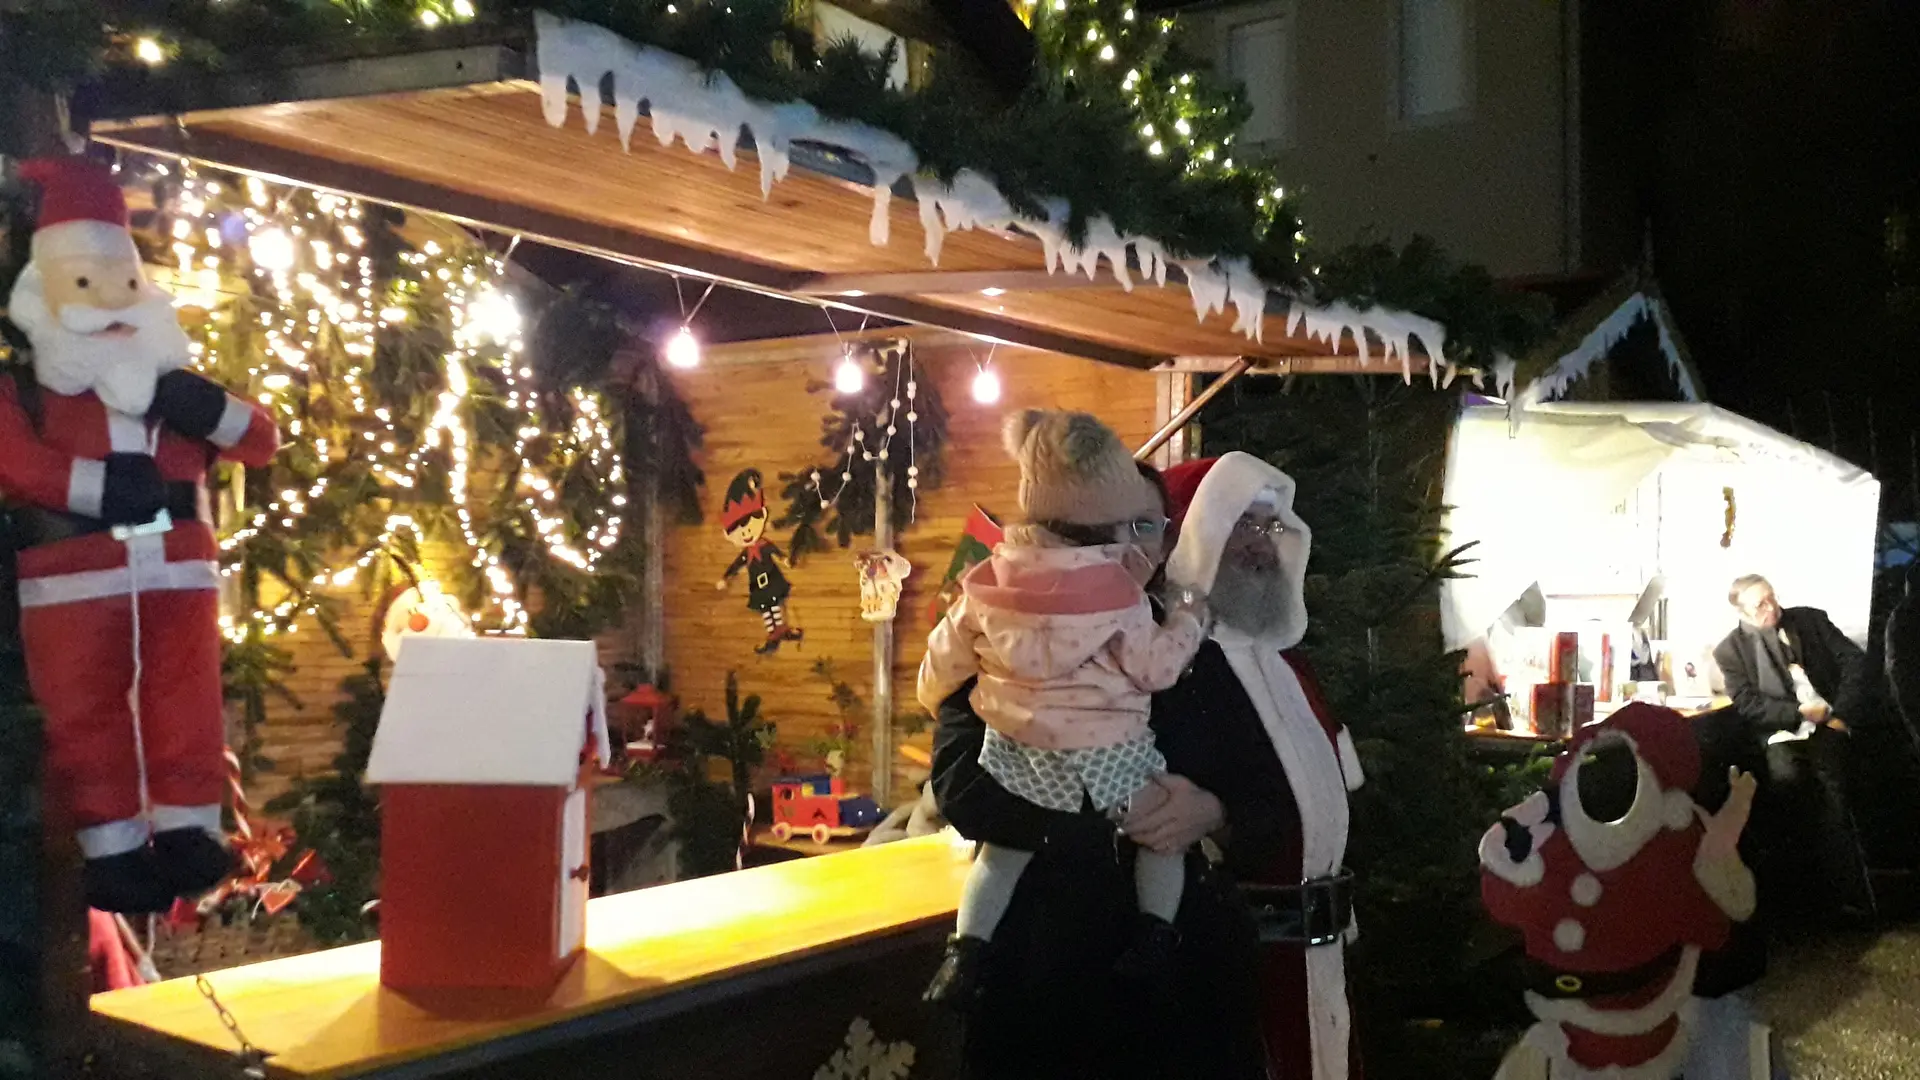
(1306, 1019)
(1615, 913)
(118, 621)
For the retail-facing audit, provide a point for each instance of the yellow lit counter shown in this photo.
(764, 972)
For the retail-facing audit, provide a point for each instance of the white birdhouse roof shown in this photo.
(489, 711)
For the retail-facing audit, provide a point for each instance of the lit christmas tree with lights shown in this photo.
(1185, 115)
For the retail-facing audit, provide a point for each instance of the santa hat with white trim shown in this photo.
(1208, 496)
(82, 212)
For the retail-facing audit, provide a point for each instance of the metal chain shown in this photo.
(253, 1061)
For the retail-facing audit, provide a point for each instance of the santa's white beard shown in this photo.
(69, 357)
(1251, 601)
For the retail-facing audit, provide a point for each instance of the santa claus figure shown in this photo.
(1618, 883)
(104, 449)
(1241, 543)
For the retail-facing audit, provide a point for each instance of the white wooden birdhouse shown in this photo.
(482, 755)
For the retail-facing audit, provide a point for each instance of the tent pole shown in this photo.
(1240, 367)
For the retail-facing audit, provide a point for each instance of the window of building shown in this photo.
(835, 24)
(1257, 53)
(1434, 46)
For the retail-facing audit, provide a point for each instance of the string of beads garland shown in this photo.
(863, 429)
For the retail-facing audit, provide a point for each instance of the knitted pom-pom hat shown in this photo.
(1074, 469)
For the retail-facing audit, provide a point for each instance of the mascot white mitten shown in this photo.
(1617, 900)
(104, 450)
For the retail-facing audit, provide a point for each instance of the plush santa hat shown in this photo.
(1208, 496)
(82, 212)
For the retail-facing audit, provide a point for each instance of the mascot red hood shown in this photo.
(1615, 913)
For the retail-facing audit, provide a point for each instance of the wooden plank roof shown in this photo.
(461, 132)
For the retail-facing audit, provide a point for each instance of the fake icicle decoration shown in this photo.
(706, 111)
(1577, 362)
(1397, 331)
(973, 202)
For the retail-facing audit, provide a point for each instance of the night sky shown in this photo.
(1775, 154)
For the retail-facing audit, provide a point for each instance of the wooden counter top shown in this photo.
(325, 1014)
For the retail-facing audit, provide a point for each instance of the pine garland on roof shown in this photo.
(1114, 96)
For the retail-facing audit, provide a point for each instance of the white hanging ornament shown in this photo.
(881, 576)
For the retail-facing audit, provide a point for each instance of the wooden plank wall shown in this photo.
(302, 738)
(753, 402)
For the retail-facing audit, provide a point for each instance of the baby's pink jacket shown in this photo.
(1064, 643)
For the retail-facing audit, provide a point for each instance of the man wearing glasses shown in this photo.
(1797, 682)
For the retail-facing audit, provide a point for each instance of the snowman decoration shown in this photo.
(423, 610)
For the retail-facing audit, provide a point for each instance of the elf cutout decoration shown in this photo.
(1617, 905)
(743, 517)
(104, 450)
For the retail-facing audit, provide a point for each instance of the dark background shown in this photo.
(1770, 150)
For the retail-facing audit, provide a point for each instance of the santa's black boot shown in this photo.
(956, 985)
(129, 883)
(1148, 962)
(191, 859)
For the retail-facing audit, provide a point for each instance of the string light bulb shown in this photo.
(683, 349)
(272, 249)
(986, 385)
(492, 316)
(148, 51)
(848, 376)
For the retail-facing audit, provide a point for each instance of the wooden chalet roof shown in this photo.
(460, 132)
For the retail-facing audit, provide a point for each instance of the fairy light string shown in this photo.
(397, 368)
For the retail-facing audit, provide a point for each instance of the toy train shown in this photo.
(818, 807)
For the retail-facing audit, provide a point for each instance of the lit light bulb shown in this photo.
(149, 52)
(272, 249)
(986, 386)
(493, 316)
(429, 18)
(683, 349)
(849, 377)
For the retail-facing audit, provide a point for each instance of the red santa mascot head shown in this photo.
(1617, 892)
(95, 320)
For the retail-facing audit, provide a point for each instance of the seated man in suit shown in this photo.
(1797, 681)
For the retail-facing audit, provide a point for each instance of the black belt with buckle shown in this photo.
(35, 525)
(1552, 982)
(1314, 912)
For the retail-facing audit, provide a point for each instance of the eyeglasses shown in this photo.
(1272, 530)
(1146, 528)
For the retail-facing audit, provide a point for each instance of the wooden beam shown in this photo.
(1297, 365)
(651, 252)
(949, 282)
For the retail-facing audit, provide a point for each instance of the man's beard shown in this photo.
(1250, 601)
(70, 357)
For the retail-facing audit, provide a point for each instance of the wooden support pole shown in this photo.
(882, 716)
(1192, 409)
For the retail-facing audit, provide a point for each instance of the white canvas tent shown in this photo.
(1592, 500)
